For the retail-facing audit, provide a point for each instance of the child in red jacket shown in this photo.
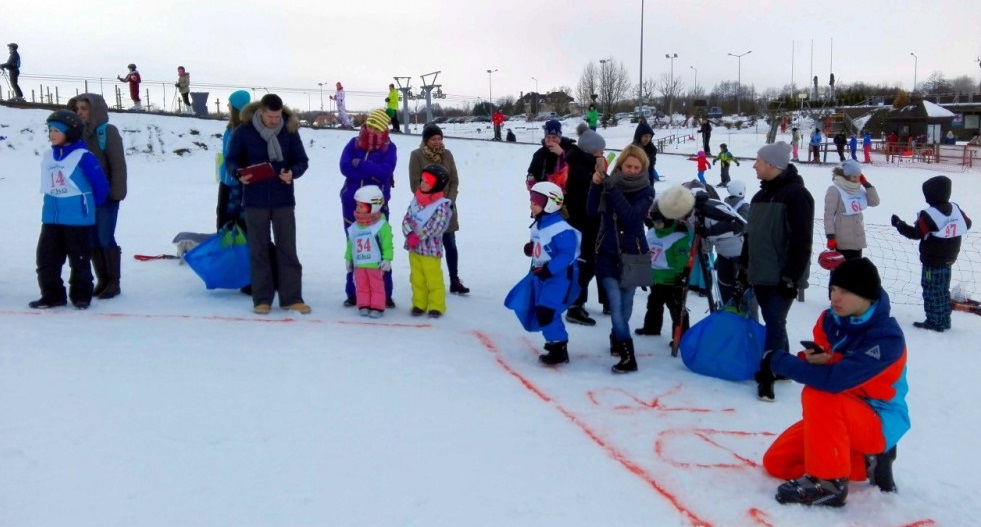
(703, 165)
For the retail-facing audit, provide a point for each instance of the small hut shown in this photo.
(924, 121)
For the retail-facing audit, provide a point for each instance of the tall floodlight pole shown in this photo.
(694, 89)
(321, 95)
(490, 90)
(640, 83)
(602, 76)
(534, 106)
(915, 61)
(739, 78)
(671, 56)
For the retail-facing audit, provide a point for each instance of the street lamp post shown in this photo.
(739, 78)
(490, 91)
(694, 89)
(321, 95)
(915, 61)
(671, 57)
(534, 106)
(606, 106)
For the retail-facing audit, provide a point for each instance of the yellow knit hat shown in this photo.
(378, 120)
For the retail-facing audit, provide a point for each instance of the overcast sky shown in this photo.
(363, 44)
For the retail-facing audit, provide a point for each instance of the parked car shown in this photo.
(714, 112)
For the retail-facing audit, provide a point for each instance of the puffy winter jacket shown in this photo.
(621, 225)
(780, 231)
(249, 148)
(71, 197)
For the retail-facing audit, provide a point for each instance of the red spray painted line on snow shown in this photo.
(618, 456)
(223, 319)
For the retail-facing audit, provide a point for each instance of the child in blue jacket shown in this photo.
(553, 279)
(73, 185)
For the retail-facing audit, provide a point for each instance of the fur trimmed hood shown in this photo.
(289, 116)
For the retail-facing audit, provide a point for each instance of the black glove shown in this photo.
(528, 248)
(787, 288)
(544, 315)
(608, 183)
(542, 273)
(895, 220)
(700, 230)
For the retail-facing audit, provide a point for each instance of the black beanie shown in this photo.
(859, 276)
(430, 130)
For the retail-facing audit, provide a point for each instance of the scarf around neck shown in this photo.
(848, 186)
(625, 185)
(433, 155)
(425, 200)
(273, 147)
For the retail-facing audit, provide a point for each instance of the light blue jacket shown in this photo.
(87, 177)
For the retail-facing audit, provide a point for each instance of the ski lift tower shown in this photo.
(406, 91)
(427, 93)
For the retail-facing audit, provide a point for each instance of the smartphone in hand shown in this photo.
(812, 346)
(601, 165)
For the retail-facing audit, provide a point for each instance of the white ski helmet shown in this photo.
(552, 193)
(371, 195)
(736, 188)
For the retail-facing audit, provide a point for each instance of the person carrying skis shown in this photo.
(854, 396)
(133, 79)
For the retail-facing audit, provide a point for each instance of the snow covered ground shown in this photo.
(173, 405)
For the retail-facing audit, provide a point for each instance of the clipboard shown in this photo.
(259, 172)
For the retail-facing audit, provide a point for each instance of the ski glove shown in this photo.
(385, 266)
(865, 183)
(544, 315)
(832, 243)
(787, 288)
(529, 247)
(413, 240)
(542, 273)
(349, 265)
(895, 220)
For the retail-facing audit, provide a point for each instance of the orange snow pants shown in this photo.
(831, 441)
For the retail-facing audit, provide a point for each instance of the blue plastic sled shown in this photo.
(724, 345)
(524, 296)
(222, 260)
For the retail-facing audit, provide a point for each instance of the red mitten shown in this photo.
(832, 244)
(413, 240)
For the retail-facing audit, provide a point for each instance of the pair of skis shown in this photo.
(694, 255)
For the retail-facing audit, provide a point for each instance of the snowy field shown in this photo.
(173, 405)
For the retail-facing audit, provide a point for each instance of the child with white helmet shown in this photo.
(737, 198)
(369, 250)
(554, 251)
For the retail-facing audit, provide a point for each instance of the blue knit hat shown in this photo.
(553, 127)
(239, 99)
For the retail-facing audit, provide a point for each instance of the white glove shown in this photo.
(349, 264)
(385, 266)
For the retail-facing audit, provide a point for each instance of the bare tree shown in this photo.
(647, 88)
(669, 88)
(614, 83)
(588, 85)
(936, 83)
(963, 84)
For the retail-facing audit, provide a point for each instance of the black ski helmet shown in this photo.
(72, 121)
(441, 175)
(131, 67)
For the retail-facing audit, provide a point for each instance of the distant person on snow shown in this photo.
(184, 87)
(816, 140)
(727, 159)
(13, 66)
(73, 186)
(644, 138)
(341, 108)
(592, 117)
(511, 138)
(702, 164)
(497, 119)
(795, 144)
(706, 131)
(840, 140)
(133, 78)
(392, 108)
(867, 146)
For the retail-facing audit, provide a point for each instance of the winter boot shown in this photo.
(578, 315)
(764, 387)
(44, 303)
(809, 490)
(112, 263)
(628, 362)
(101, 276)
(457, 287)
(878, 467)
(558, 353)
(614, 346)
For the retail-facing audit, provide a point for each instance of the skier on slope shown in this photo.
(133, 79)
(341, 108)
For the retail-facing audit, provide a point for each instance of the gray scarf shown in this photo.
(274, 150)
(625, 184)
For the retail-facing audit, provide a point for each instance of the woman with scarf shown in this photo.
(432, 151)
(847, 197)
(368, 159)
(622, 200)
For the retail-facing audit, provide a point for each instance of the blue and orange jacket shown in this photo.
(869, 362)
